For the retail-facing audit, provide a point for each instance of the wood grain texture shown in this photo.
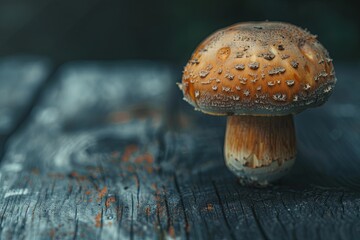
(21, 77)
(109, 151)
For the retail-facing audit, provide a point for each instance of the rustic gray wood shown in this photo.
(111, 152)
(21, 77)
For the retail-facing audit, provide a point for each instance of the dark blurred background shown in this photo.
(162, 30)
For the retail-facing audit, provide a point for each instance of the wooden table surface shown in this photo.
(108, 150)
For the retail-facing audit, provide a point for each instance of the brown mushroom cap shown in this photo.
(258, 68)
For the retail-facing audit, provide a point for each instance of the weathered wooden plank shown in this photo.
(20, 79)
(82, 159)
(111, 152)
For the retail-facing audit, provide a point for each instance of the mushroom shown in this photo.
(259, 74)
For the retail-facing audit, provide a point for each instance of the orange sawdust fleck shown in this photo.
(98, 220)
(129, 150)
(119, 117)
(149, 169)
(187, 227)
(147, 211)
(159, 204)
(88, 192)
(136, 181)
(109, 201)
(102, 194)
(52, 233)
(147, 158)
(77, 176)
(209, 207)
(172, 232)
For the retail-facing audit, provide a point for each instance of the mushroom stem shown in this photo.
(260, 149)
